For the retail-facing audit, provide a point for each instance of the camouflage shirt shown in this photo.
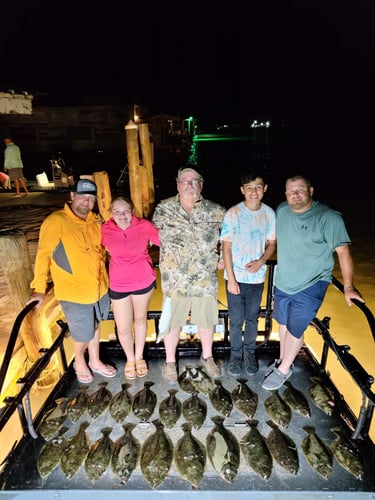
(189, 246)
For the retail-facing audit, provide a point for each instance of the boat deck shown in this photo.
(21, 475)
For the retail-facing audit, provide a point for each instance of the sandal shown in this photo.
(83, 376)
(141, 367)
(130, 371)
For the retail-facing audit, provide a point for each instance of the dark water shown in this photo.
(278, 154)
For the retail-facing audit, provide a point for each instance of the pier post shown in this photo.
(149, 192)
(131, 131)
(35, 333)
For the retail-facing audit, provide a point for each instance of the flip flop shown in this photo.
(83, 376)
(108, 371)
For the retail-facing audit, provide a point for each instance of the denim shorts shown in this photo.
(84, 319)
(297, 310)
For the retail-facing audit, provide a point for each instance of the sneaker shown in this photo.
(170, 372)
(271, 367)
(251, 363)
(211, 367)
(235, 366)
(275, 380)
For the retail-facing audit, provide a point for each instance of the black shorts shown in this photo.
(122, 295)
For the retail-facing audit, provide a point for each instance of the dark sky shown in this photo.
(283, 59)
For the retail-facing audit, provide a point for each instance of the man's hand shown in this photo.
(36, 296)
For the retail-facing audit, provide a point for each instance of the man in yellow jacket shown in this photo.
(70, 253)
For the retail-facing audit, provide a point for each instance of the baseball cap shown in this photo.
(85, 186)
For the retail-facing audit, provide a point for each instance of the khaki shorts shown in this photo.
(204, 312)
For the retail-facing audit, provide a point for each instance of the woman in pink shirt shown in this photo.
(132, 279)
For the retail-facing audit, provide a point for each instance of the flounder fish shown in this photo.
(296, 400)
(244, 399)
(221, 399)
(99, 400)
(76, 451)
(202, 381)
(121, 404)
(126, 451)
(278, 411)
(255, 450)
(321, 396)
(144, 402)
(223, 450)
(194, 409)
(54, 419)
(185, 380)
(51, 453)
(282, 448)
(78, 404)
(347, 453)
(170, 409)
(190, 457)
(99, 456)
(317, 453)
(156, 455)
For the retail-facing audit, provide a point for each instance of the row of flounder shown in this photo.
(157, 453)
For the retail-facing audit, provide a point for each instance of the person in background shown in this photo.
(248, 240)
(5, 180)
(189, 229)
(308, 233)
(13, 166)
(70, 251)
(132, 279)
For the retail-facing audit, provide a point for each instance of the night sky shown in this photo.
(307, 64)
(282, 59)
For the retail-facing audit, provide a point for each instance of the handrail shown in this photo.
(366, 311)
(363, 379)
(12, 341)
(27, 381)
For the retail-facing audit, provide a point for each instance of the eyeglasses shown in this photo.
(299, 190)
(189, 182)
(125, 212)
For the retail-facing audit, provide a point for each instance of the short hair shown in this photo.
(247, 177)
(299, 177)
(188, 169)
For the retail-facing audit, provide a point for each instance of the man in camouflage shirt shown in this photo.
(189, 229)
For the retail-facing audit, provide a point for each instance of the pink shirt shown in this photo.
(130, 265)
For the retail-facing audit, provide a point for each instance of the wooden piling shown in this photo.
(104, 196)
(131, 132)
(147, 156)
(34, 331)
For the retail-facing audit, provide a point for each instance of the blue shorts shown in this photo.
(84, 319)
(297, 310)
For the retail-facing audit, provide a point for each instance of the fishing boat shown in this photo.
(19, 472)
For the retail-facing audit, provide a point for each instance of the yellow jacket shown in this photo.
(70, 252)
